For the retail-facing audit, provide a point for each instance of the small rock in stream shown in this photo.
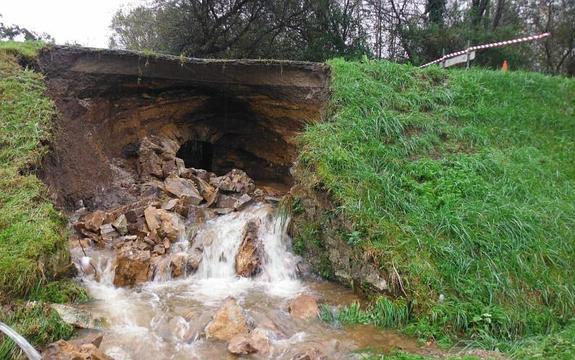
(304, 307)
(228, 321)
(240, 345)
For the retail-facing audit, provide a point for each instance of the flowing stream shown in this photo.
(165, 318)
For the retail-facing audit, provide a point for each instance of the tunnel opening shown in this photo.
(215, 115)
(197, 154)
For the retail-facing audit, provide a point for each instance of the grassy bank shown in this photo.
(33, 245)
(32, 232)
(462, 181)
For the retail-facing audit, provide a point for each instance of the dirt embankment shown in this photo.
(223, 115)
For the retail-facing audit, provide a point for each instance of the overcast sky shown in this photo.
(86, 22)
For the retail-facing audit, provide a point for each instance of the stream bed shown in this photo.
(165, 318)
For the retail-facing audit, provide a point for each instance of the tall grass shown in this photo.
(33, 246)
(32, 241)
(465, 182)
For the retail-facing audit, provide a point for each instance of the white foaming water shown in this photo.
(222, 238)
(165, 318)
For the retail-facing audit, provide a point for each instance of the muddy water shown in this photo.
(164, 319)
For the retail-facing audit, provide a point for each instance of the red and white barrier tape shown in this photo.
(487, 46)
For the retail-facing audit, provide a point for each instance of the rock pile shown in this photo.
(173, 199)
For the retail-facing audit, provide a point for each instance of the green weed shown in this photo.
(36, 322)
(465, 182)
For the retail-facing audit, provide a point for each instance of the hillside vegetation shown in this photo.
(463, 181)
(33, 245)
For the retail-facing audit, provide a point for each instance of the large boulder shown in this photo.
(248, 258)
(228, 321)
(76, 317)
(183, 188)
(133, 266)
(234, 181)
(304, 307)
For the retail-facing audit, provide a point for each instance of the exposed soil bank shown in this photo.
(224, 114)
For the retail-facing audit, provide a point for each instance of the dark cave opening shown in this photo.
(197, 154)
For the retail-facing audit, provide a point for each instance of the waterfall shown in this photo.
(223, 236)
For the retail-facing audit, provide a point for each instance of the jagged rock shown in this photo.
(223, 211)
(181, 187)
(152, 218)
(94, 220)
(304, 307)
(190, 173)
(152, 188)
(64, 350)
(150, 163)
(171, 226)
(138, 228)
(257, 341)
(180, 166)
(132, 267)
(180, 206)
(169, 167)
(242, 201)
(229, 321)
(260, 341)
(208, 192)
(121, 224)
(157, 156)
(163, 224)
(159, 249)
(235, 181)
(170, 204)
(240, 345)
(226, 201)
(168, 147)
(89, 338)
(108, 232)
(195, 258)
(248, 259)
(131, 216)
(179, 264)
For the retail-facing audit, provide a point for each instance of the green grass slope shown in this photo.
(33, 245)
(32, 241)
(464, 181)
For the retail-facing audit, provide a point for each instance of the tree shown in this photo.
(12, 32)
(297, 29)
(415, 31)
